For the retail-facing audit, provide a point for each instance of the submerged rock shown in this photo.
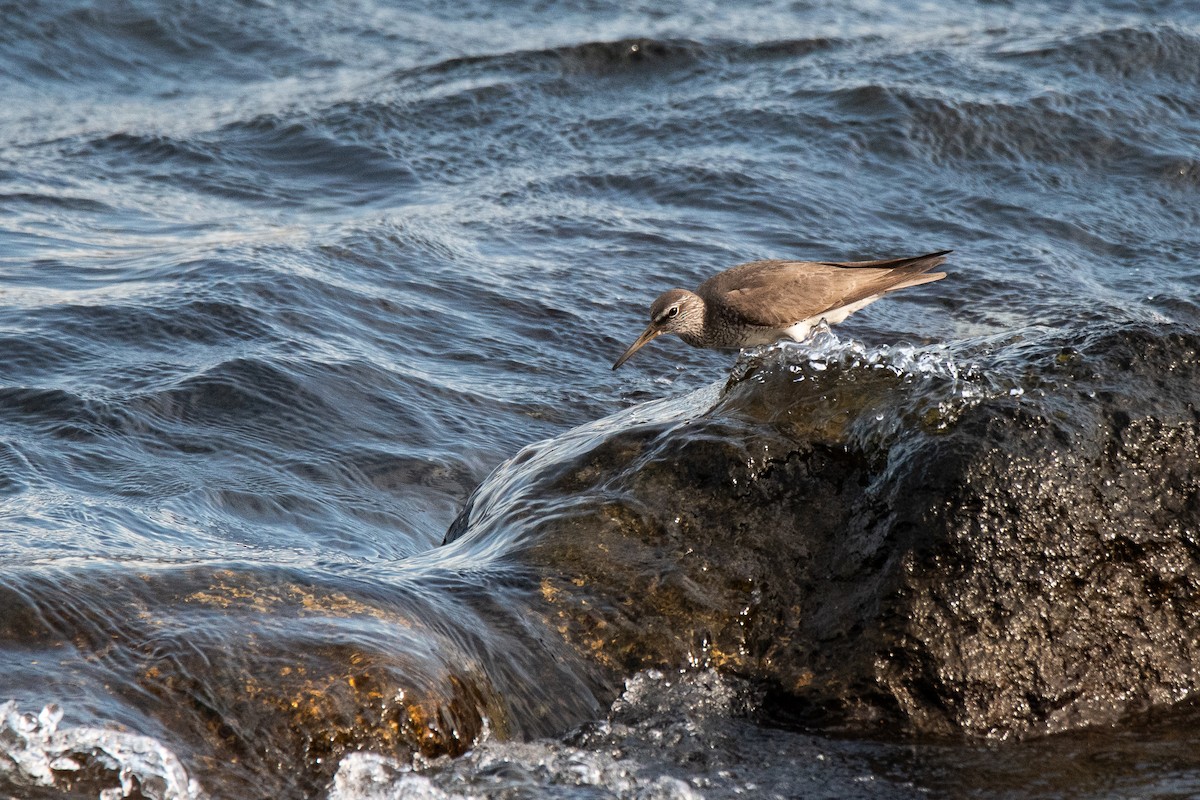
(887, 541)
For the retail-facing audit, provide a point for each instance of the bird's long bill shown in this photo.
(646, 336)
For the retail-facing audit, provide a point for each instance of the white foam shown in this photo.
(35, 752)
(550, 767)
(370, 776)
(654, 714)
(824, 350)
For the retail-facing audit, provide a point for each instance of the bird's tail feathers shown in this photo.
(917, 280)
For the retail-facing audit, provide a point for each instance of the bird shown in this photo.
(763, 301)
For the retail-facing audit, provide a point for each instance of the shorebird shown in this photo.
(763, 301)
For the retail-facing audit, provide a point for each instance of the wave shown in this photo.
(1149, 52)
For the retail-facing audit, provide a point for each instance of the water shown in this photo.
(282, 284)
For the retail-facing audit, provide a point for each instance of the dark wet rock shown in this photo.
(1009, 549)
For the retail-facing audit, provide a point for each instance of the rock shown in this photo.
(887, 541)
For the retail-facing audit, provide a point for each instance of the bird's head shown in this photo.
(675, 311)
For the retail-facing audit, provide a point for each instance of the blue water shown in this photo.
(280, 284)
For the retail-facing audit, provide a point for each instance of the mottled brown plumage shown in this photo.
(760, 302)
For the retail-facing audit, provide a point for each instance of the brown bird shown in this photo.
(763, 301)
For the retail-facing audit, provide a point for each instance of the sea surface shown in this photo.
(282, 283)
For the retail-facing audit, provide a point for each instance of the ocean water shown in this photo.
(282, 283)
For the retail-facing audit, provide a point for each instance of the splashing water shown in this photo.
(35, 752)
(824, 350)
(658, 714)
(942, 381)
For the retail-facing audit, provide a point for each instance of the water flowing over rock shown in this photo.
(896, 540)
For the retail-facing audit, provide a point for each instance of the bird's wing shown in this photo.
(780, 293)
(908, 264)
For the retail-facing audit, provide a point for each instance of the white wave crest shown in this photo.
(35, 752)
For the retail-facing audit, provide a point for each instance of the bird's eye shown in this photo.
(674, 312)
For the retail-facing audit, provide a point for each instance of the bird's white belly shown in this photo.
(803, 328)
